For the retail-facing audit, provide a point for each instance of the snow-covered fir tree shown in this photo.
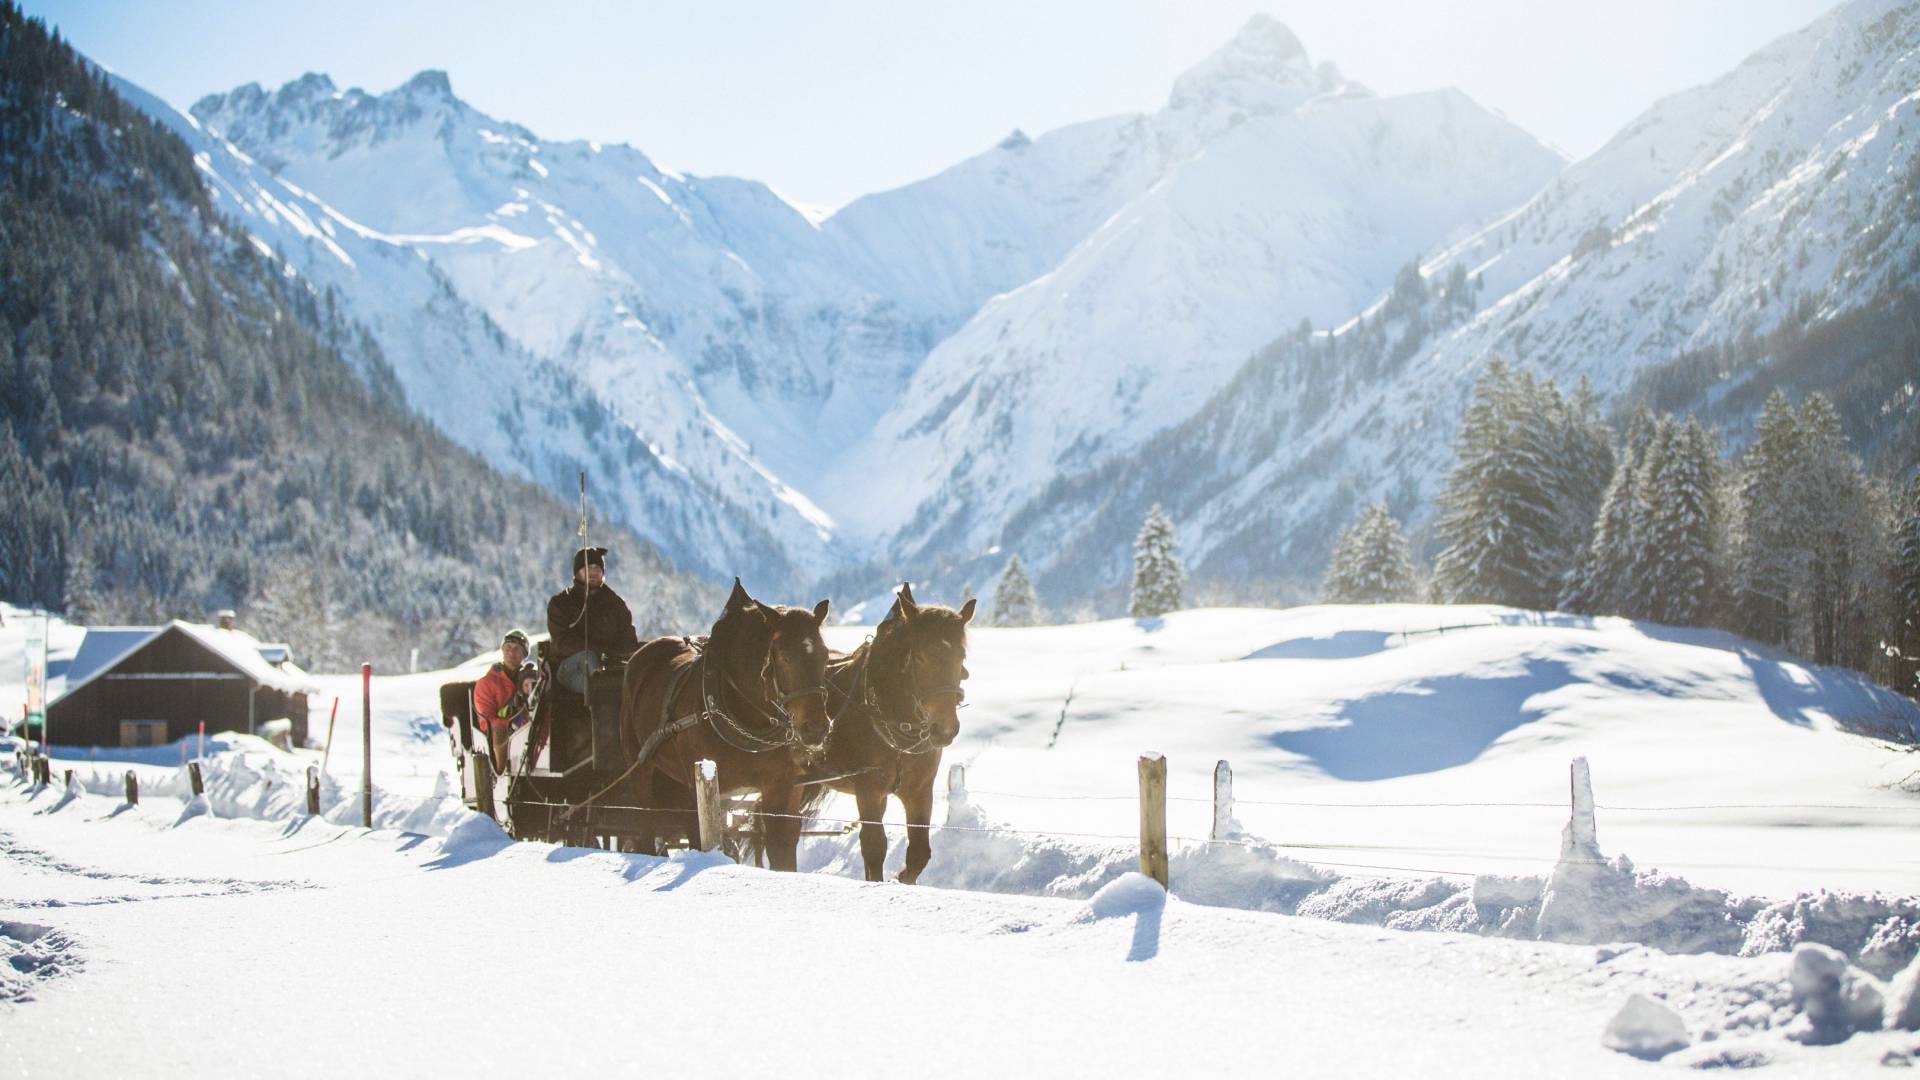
(1158, 580)
(1812, 558)
(1504, 523)
(1770, 523)
(1904, 635)
(1679, 542)
(1371, 562)
(1842, 599)
(1014, 601)
(1599, 583)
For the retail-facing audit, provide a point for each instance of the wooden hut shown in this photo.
(147, 686)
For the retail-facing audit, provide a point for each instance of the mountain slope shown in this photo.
(1301, 214)
(184, 427)
(753, 352)
(1781, 195)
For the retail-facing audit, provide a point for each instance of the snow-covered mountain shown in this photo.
(1783, 192)
(525, 411)
(781, 377)
(1022, 351)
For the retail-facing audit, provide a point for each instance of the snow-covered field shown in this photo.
(1406, 787)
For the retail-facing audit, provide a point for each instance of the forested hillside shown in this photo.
(185, 425)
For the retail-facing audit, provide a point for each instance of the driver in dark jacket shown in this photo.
(588, 622)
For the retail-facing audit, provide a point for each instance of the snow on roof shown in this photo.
(105, 647)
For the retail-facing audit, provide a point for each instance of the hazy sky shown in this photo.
(829, 99)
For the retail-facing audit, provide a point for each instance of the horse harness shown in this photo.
(901, 736)
(779, 731)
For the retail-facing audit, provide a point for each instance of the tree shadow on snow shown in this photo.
(1797, 691)
(1436, 724)
(1344, 645)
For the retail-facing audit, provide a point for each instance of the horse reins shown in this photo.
(782, 730)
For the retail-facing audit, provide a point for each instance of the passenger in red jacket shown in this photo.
(498, 704)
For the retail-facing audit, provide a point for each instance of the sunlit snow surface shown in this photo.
(384, 943)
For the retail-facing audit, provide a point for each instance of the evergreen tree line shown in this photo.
(1791, 542)
(183, 428)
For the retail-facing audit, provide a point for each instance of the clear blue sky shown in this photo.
(829, 99)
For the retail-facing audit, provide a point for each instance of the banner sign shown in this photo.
(37, 675)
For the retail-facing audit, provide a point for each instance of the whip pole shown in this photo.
(586, 591)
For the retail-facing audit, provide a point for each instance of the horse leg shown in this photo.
(872, 800)
(916, 798)
(781, 827)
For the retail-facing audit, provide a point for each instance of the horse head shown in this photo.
(777, 653)
(922, 650)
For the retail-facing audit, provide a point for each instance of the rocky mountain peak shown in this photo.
(1264, 63)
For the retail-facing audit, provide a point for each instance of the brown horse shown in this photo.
(746, 699)
(895, 702)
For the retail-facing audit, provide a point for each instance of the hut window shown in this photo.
(143, 732)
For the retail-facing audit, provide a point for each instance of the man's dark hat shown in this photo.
(586, 557)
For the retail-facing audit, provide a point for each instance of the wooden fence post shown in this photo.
(366, 745)
(1222, 801)
(313, 791)
(66, 779)
(1153, 817)
(193, 778)
(133, 789)
(706, 797)
(45, 769)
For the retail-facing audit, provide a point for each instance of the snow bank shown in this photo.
(1587, 900)
(1903, 999)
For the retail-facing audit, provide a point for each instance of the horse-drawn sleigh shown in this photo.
(785, 722)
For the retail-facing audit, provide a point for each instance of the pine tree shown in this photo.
(1681, 527)
(1599, 585)
(1904, 578)
(1767, 549)
(1500, 522)
(1844, 551)
(1371, 563)
(1158, 579)
(1014, 601)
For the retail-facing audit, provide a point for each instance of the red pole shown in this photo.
(366, 745)
(202, 752)
(328, 752)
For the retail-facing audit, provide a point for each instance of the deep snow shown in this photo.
(268, 903)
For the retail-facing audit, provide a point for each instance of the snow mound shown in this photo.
(1881, 932)
(69, 795)
(197, 806)
(1645, 1028)
(1903, 999)
(1129, 894)
(1589, 901)
(30, 954)
(1835, 998)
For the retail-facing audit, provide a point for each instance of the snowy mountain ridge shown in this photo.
(908, 382)
(1783, 191)
(752, 350)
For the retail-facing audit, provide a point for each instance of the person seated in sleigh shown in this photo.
(590, 626)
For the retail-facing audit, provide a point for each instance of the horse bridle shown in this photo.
(784, 730)
(919, 735)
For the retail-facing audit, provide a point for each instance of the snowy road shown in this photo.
(326, 950)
